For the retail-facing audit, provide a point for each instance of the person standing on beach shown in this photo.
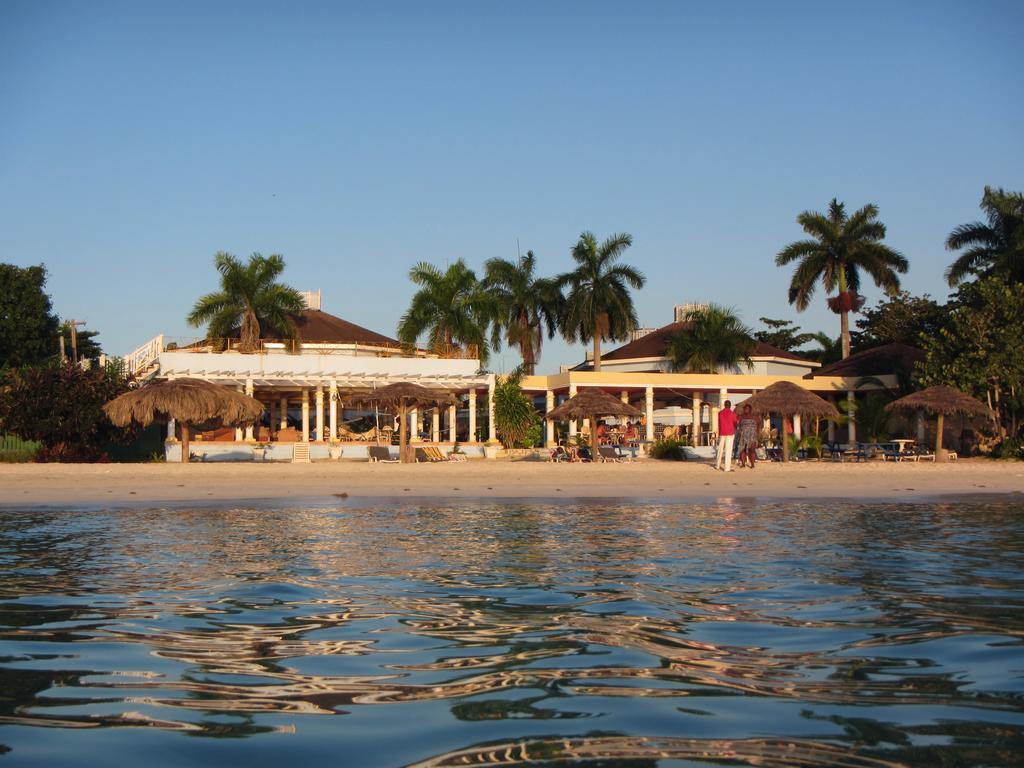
(726, 435)
(746, 437)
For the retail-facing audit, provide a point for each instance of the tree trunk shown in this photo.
(595, 451)
(844, 326)
(250, 334)
(597, 351)
(185, 458)
(403, 430)
(785, 441)
(939, 456)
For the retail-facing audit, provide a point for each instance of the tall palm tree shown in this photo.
(598, 304)
(840, 247)
(995, 248)
(829, 350)
(714, 338)
(525, 305)
(450, 307)
(249, 299)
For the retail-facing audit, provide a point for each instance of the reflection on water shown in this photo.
(493, 634)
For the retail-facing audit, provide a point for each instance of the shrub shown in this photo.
(514, 414)
(670, 449)
(1010, 448)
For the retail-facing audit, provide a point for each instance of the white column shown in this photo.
(249, 434)
(453, 421)
(170, 429)
(695, 427)
(649, 413)
(549, 405)
(723, 395)
(472, 415)
(797, 426)
(333, 395)
(239, 435)
(305, 415)
(435, 425)
(572, 422)
(414, 425)
(852, 423)
(320, 414)
(284, 413)
(492, 433)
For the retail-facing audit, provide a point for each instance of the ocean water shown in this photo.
(385, 633)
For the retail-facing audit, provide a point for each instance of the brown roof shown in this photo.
(316, 326)
(878, 361)
(655, 344)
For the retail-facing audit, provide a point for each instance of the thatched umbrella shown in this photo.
(404, 395)
(789, 399)
(187, 401)
(589, 404)
(941, 401)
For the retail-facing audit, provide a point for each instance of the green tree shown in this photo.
(28, 327)
(979, 350)
(450, 307)
(714, 338)
(598, 304)
(903, 319)
(829, 350)
(249, 300)
(783, 334)
(525, 305)
(840, 247)
(995, 248)
(514, 414)
(61, 405)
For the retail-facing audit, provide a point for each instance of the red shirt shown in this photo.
(727, 419)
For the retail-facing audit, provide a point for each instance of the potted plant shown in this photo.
(335, 449)
(491, 449)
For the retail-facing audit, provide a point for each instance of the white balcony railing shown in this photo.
(145, 357)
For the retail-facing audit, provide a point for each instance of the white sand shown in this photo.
(58, 484)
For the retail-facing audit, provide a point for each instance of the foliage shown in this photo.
(902, 319)
(995, 248)
(840, 247)
(28, 327)
(714, 338)
(535, 435)
(61, 406)
(249, 300)
(783, 334)
(514, 414)
(1010, 448)
(979, 350)
(14, 450)
(672, 449)
(450, 307)
(829, 350)
(871, 417)
(85, 341)
(810, 444)
(525, 305)
(598, 305)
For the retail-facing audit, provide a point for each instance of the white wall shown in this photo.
(236, 364)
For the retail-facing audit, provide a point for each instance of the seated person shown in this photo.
(602, 432)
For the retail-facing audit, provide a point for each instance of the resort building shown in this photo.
(305, 385)
(687, 404)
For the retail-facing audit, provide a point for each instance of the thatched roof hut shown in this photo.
(789, 399)
(589, 404)
(942, 401)
(187, 401)
(403, 396)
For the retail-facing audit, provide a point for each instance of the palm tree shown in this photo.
(598, 305)
(841, 246)
(715, 338)
(249, 299)
(829, 350)
(525, 305)
(996, 248)
(450, 308)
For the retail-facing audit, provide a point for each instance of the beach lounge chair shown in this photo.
(380, 453)
(607, 453)
(428, 456)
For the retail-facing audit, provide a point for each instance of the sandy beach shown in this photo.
(73, 484)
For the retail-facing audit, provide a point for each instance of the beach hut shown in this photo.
(187, 401)
(403, 396)
(788, 399)
(941, 401)
(590, 404)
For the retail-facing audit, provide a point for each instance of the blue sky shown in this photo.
(137, 139)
